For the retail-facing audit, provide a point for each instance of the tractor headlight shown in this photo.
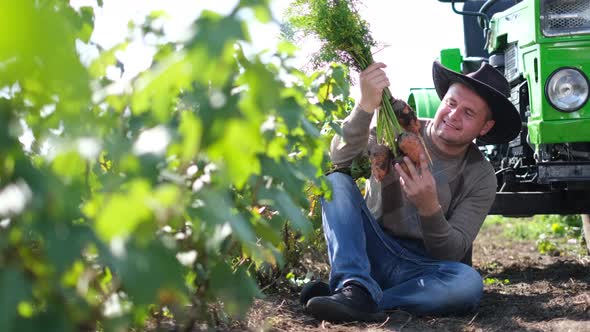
(567, 89)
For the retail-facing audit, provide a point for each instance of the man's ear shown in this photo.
(486, 127)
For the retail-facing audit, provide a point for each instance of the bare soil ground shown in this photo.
(525, 291)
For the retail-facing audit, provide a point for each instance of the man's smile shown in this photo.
(448, 124)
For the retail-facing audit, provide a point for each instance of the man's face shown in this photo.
(461, 117)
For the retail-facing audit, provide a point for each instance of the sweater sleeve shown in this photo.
(354, 139)
(449, 239)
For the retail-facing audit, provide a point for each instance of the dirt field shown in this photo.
(525, 291)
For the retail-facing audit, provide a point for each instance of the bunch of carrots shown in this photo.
(345, 38)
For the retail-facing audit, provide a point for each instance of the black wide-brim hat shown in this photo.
(490, 85)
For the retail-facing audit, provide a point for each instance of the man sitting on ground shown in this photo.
(407, 243)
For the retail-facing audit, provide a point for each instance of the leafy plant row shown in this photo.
(165, 191)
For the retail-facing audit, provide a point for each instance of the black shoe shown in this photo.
(351, 303)
(313, 289)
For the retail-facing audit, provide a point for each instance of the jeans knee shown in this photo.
(344, 190)
(459, 291)
(345, 204)
(340, 180)
(474, 280)
(467, 290)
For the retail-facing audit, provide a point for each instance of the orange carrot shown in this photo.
(410, 144)
(406, 116)
(408, 119)
(380, 161)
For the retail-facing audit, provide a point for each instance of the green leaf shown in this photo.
(309, 128)
(227, 219)
(286, 175)
(42, 56)
(287, 48)
(66, 243)
(158, 88)
(263, 89)
(70, 166)
(340, 82)
(238, 149)
(267, 232)
(167, 195)
(263, 14)
(191, 130)
(291, 112)
(86, 26)
(14, 288)
(236, 289)
(148, 271)
(218, 33)
(54, 319)
(123, 212)
(277, 147)
(337, 128)
(242, 229)
(288, 209)
(99, 66)
(212, 48)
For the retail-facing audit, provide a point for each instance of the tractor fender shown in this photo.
(424, 101)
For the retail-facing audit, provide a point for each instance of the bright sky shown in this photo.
(415, 29)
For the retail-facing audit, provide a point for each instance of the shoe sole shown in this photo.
(332, 311)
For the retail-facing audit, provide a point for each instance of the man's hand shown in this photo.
(372, 80)
(419, 186)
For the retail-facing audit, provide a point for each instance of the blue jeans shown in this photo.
(398, 273)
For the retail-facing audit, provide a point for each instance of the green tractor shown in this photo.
(543, 49)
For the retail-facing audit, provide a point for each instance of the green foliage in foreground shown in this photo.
(166, 191)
